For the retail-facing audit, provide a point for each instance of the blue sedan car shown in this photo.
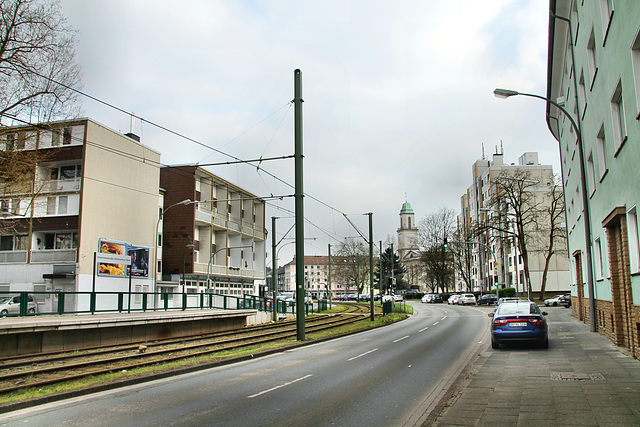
(518, 321)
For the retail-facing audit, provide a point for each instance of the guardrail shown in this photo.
(124, 302)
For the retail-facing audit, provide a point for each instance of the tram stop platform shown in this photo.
(48, 333)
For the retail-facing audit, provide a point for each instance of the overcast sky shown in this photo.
(398, 95)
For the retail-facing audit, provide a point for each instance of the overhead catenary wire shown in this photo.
(175, 133)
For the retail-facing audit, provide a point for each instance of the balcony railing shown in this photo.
(61, 185)
(13, 257)
(203, 216)
(53, 255)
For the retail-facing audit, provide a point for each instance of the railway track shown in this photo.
(19, 373)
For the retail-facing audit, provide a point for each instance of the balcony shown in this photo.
(61, 186)
(204, 216)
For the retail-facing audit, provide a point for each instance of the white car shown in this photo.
(453, 299)
(387, 298)
(553, 301)
(398, 297)
(465, 299)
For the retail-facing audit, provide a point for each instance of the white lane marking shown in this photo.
(403, 338)
(280, 386)
(435, 323)
(423, 329)
(444, 318)
(363, 354)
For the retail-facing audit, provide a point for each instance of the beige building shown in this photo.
(497, 258)
(91, 191)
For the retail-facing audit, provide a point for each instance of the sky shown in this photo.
(398, 96)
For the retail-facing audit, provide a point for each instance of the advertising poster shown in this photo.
(121, 259)
(113, 248)
(139, 261)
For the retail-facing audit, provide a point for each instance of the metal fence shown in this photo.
(60, 303)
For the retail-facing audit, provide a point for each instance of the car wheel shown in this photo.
(545, 343)
(31, 310)
(4, 312)
(555, 303)
(495, 344)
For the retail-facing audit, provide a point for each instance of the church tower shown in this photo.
(407, 233)
(408, 250)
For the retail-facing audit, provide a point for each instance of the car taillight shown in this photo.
(500, 322)
(536, 322)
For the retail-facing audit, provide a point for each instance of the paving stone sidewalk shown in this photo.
(583, 379)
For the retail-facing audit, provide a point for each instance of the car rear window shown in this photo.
(518, 308)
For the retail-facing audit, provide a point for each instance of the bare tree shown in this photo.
(37, 62)
(438, 262)
(550, 225)
(527, 214)
(352, 264)
(463, 254)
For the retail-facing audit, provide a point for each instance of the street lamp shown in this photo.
(155, 252)
(189, 245)
(506, 93)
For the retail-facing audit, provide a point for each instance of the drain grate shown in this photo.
(576, 376)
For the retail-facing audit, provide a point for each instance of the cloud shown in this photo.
(398, 94)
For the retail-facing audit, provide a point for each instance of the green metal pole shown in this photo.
(274, 270)
(371, 263)
(329, 279)
(299, 206)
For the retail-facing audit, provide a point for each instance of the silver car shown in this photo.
(11, 305)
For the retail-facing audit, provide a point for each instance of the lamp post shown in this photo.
(155, 252)
(506, 93)
(189, 245)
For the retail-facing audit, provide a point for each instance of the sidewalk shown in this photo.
(583, 379)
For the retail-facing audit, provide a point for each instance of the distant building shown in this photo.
(219, 234)
(594, 68)
(408, 251)
(496, 258)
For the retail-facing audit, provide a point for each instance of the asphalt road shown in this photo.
(384, 377)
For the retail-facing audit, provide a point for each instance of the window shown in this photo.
(601, 146)
(606, 11)
(634, 244)
(617, 113)
(591, 175)
(62, 205)
(66, 240)
(635, 59)
(583, 94)
(591, 56)
(598, 255)
(66, 136)
(51, 205)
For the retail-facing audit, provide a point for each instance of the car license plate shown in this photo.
(515, 324)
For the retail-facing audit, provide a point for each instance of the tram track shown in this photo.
(47, 369)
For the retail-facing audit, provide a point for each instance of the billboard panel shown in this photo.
(121, 259)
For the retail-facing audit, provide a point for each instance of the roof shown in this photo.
(406, 208)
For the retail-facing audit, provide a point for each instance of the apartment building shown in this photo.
(84, 190)
(594, 72)
(496, 256)
(213, 234)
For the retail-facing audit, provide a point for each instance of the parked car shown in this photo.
(437, 299)
(487, 299)
(553, 301)
(565, 301)
(453, 299)
(398, 298)
(11, 304)
(465, 299)
(426, 298)
(387, 298)
(518, 321)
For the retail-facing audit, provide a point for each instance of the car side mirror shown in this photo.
(490, 314)
(544, 313)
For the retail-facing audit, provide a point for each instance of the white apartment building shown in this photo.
(496, 257)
